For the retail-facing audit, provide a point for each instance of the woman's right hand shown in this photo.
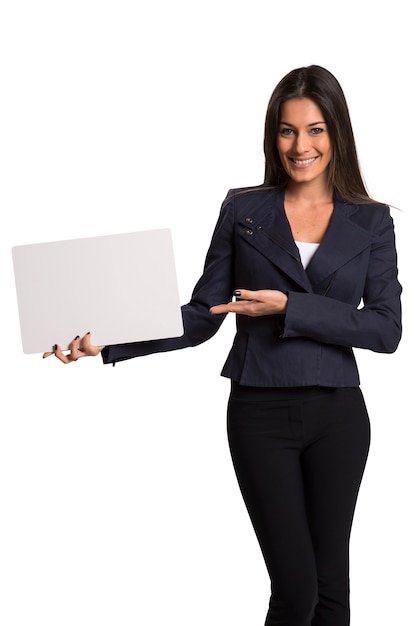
(78, 348)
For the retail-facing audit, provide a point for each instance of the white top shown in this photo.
(307, 251)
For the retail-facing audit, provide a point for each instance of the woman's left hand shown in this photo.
(254, 303)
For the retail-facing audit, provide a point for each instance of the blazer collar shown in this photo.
(271, 235)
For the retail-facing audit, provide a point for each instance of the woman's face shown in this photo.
(303, 141)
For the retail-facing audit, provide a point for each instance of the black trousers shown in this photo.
(299, 456)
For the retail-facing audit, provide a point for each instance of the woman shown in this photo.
(311, 262)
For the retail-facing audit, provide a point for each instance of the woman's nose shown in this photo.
(301, 143)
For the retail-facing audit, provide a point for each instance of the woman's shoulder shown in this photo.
(365, 206)
(369, 214)
(362, 203)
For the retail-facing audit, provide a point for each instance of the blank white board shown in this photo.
(122, 288)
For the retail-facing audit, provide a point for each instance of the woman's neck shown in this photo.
(308, 212)
(308, 195)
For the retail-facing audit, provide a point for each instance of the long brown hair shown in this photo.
(320, 86)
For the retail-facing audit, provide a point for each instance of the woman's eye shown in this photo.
(286, 131)
(316, 131)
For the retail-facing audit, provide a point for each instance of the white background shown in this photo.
(118, 500)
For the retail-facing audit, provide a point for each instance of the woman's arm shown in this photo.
(215, 285)
(376, 325)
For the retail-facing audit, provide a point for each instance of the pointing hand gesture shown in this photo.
(254, 303)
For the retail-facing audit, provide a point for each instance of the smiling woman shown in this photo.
(307, 261)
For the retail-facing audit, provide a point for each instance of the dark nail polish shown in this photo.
(54, 347)
(237, 293)
(77, 337)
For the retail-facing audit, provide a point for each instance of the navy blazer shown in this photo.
(348, 296)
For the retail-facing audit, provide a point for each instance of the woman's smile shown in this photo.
(303, 162)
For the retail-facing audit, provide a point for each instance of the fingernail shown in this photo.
(77, 337)
(54, 347)
(237, 293)
(88, 333)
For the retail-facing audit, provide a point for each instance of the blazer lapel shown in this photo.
(343, 240)
(268, 230)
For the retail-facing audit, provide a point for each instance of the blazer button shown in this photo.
(249, 231)
(249, 220)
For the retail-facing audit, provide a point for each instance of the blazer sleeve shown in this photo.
(214, 287)
(376, 325)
